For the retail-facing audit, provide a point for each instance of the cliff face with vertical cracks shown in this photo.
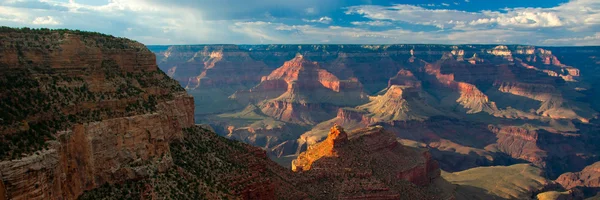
(83, 109)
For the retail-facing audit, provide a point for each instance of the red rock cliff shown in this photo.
(108, 113)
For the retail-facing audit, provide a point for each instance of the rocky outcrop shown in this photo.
(347, 117)
(92, 154)
(207, 166)
(587, 179)
(85, 109)
(368, 164)
(388, 160)
(554, 152)
(520, 143)
(469, 96)
(301, 92)
(405, 78)
(400, 103)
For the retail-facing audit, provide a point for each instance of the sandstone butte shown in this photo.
(87, 115)
(300, 91)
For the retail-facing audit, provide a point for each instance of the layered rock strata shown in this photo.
(82, 109)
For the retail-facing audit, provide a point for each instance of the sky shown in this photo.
(152, 22)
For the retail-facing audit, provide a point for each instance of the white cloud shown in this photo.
(521, 18)
(413, 14)
(324, 20)
(48, 20)
(587, 40)
(576, 15)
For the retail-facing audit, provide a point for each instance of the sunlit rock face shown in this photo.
(371, 159)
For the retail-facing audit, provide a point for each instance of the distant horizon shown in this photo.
(534, 22)
(216, 44)
(259, 44)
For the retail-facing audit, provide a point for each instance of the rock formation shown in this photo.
(220, 66)
(301, 92)
(400, 103)
(80, 110)
(587, 179)
(369, 163)
(450, 94)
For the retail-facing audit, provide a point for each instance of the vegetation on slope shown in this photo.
(206, 167)
(38, 99)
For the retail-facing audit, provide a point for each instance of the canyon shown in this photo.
(471, 105)
(91, 116)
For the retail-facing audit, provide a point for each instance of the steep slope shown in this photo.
(81, 109)
(400, 103)
(252, 126)
(301, 92)
(212, 73)
(587, 179)
(370, 164)
(295, 96)
(347, 117)
(211, 167)
(506, 182)
(467, 95)
(207, 166)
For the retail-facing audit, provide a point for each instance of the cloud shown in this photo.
(287, 21)
(372, 23)
(324, 20)
(587, 40)
(521, 18)
(574, 15)
(48, 20)
(413, 14)
(295, 34)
